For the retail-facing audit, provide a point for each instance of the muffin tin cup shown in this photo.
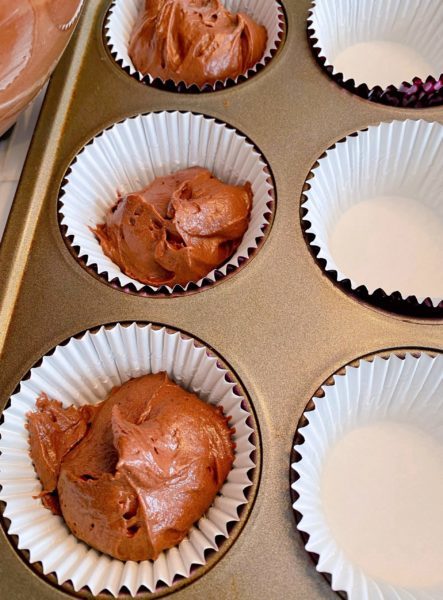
(84, 371)
(336, 25)
(123, 14)
(130, 155)
(403, 388)
(397, 159)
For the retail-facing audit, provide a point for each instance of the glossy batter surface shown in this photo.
(195, 41)
(33, 34)
(178, 229)
(135, 472)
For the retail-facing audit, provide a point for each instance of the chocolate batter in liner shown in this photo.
(178, 229)
(95, 361)
(416, 92)
(257, 50)
(131, 475)
(169, 142)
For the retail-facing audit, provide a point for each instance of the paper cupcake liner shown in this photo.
(84, 371)
(335, 25)
(131, 154)
(399, 158)
(405, 388)
(123, 14)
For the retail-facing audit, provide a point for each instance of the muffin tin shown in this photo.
(281, 323)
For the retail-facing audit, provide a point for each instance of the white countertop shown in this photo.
(13, 153)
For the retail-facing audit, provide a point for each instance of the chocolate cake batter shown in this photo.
(195, 41)
(33, 34)
(133, 473)
(177, 229)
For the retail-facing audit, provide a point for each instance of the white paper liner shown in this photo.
(123, 14)
(84, 371)
(131, 154)
(390, 159)
(339, 24)
(408, 390)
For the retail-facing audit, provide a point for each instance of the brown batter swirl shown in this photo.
(178, 229)
(195, 41)
(133, 473)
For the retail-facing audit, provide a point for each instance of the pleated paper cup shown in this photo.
(388, 52)
(390, 550)
(83, 372)
(122, 17)
(130, 155)
(373, 215)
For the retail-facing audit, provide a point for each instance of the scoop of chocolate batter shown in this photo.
(133, 473)
(195, 41)
(177, 229)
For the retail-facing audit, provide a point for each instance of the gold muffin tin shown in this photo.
(280, 322)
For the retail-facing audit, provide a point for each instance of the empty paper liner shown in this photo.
(373, 215)
(122, 17)
(385, 52)
(130, 155)
(84, 370)
(368, 486)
